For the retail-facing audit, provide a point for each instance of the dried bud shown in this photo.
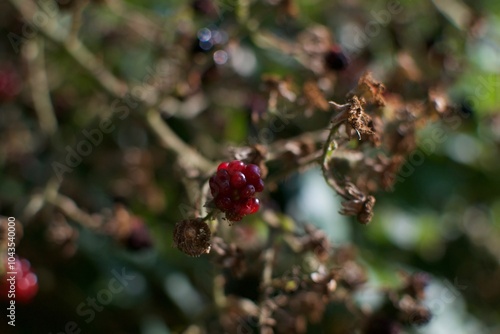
(416, 284)
(192, 236)
(353, 275)
(366, 214)
(412, 312)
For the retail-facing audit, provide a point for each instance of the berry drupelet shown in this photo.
(233, 188)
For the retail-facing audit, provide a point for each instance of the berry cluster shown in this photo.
(26, 285)
(233, 188)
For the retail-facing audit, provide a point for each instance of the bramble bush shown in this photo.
(166, 163)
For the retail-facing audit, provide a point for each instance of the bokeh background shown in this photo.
(204, 64)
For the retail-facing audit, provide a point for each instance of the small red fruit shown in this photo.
(26, 282)
(234, 186)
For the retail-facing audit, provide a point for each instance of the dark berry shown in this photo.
(238, 180)
(247, 191)
(252, 173)
(335, 59)
(259, 185)
(223, 175)
(223, 203)
(139, 237)
(233, 216)
(214, 187)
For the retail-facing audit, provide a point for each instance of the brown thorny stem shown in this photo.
(336, 121)
(357, 203)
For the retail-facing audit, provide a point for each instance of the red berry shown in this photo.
(237, 166)
(223, 165)
(26, 281)
(249, 206)
(253, 204)
(238, 180)
(234, 186)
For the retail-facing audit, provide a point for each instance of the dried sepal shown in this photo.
(314, 97)
(370, 90)
(192, 236)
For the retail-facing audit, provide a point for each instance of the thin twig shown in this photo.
(33, 53)
(72, 211)
(170, 140)
(76, 22)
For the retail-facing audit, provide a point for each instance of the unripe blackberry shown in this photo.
(192, 236)
(234, 186)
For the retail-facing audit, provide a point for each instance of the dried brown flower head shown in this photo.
(192, 236)
(358, 204)
(353, 113)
